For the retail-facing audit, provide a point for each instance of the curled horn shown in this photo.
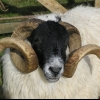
(25, 49)
(22, 32)
(76, 51)
(74, 36)
(77, 55)
(74, 44)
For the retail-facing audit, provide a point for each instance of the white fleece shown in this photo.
(85, 84)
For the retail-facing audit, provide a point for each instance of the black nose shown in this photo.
(55, 70)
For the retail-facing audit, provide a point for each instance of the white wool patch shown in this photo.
(53, 16)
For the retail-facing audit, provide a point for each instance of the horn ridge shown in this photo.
(77, 55)
(22, 32)
(74, 36)
(29, 64)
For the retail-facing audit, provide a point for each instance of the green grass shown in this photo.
(24, 7)
(32, 7)
(28, 7)
(21, 7)
(5, 35)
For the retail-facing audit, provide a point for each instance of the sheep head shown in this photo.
(27, 60)
(25, 29)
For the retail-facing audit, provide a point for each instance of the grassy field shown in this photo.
(24, 7)
(28, 7)
(31, 7)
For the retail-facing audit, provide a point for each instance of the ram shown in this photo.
(54, 59)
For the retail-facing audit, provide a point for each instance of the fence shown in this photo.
(52, 5)
(97, 3)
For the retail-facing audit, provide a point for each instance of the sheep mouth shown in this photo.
(52, 80)
(50, 77)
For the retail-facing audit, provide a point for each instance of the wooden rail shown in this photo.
(52, 5)
(8, 27)
(17, 18)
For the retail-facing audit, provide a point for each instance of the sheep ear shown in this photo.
(77, 55)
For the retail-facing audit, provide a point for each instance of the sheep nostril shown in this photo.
(55, 70)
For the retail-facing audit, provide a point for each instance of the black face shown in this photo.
(50, 40)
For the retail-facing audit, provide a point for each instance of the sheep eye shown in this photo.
(37, 40)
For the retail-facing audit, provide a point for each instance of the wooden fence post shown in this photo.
(97, 3)
(53, 5)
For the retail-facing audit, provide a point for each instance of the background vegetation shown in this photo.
(30, 7)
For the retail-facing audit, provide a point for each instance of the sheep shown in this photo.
(83, 82)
